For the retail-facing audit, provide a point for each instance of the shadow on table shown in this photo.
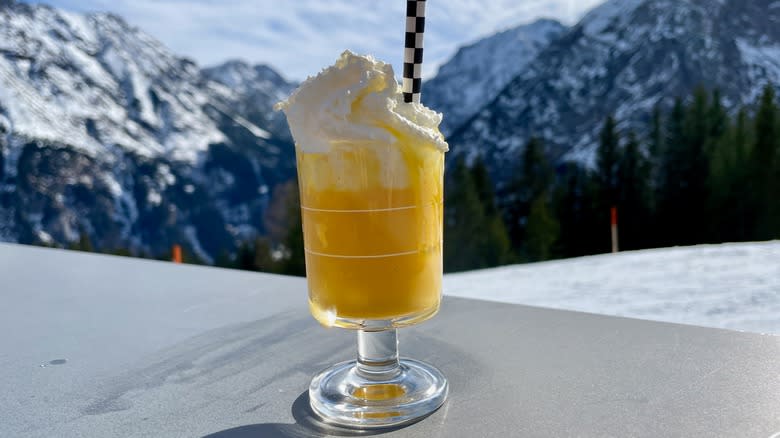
(307, 425)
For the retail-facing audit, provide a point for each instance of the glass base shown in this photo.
(346, 395)
(331, 319)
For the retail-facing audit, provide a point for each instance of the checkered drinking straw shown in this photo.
(413, 50)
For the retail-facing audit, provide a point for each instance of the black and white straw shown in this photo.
(413, 50)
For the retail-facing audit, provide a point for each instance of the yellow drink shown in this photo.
(372, 223)
(370, 170)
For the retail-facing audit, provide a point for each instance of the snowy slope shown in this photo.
(62, 71)
(476, 74)
(623, 58)
(733, 286)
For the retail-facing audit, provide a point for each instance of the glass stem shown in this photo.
(378, 355)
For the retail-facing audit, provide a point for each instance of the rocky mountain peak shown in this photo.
(476, 73)
(624, 58)
(107, 133)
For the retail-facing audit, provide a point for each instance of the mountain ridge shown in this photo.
(623, 58)
(106, 133)
(478, 71)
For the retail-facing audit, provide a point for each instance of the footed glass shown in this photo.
(372, 223)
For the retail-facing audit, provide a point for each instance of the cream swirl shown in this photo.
(357, 99)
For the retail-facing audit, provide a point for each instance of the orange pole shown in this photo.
(614, 226)
(176, 254)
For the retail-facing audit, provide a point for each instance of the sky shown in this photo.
(300, 37)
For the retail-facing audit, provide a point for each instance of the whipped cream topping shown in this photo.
(355, 100)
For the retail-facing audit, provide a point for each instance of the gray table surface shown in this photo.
(153, 349)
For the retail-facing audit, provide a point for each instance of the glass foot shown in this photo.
(348, 396)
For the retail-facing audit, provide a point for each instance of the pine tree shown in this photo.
(718, 119)
(775, 184)
(496, 249)
(85, 243)
(575, 209)
(730, 220)
(633, 196)
(537, 172)
(655, 168)
(607, 159)
(495, 245)
(718, 145)
(656, 150)
(542, 231)
(671, 174)
(533, 178)
(484, 186)
(245, 257)
(683, 209)
(464, 221)
(692, 217)
(764, 184)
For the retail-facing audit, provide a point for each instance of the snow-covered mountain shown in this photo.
(478, 72)
(734, 286)
(252, 90)
(623, 58)
(104, 131)
(62, 71)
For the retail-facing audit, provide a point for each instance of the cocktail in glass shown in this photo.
(372, 212)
